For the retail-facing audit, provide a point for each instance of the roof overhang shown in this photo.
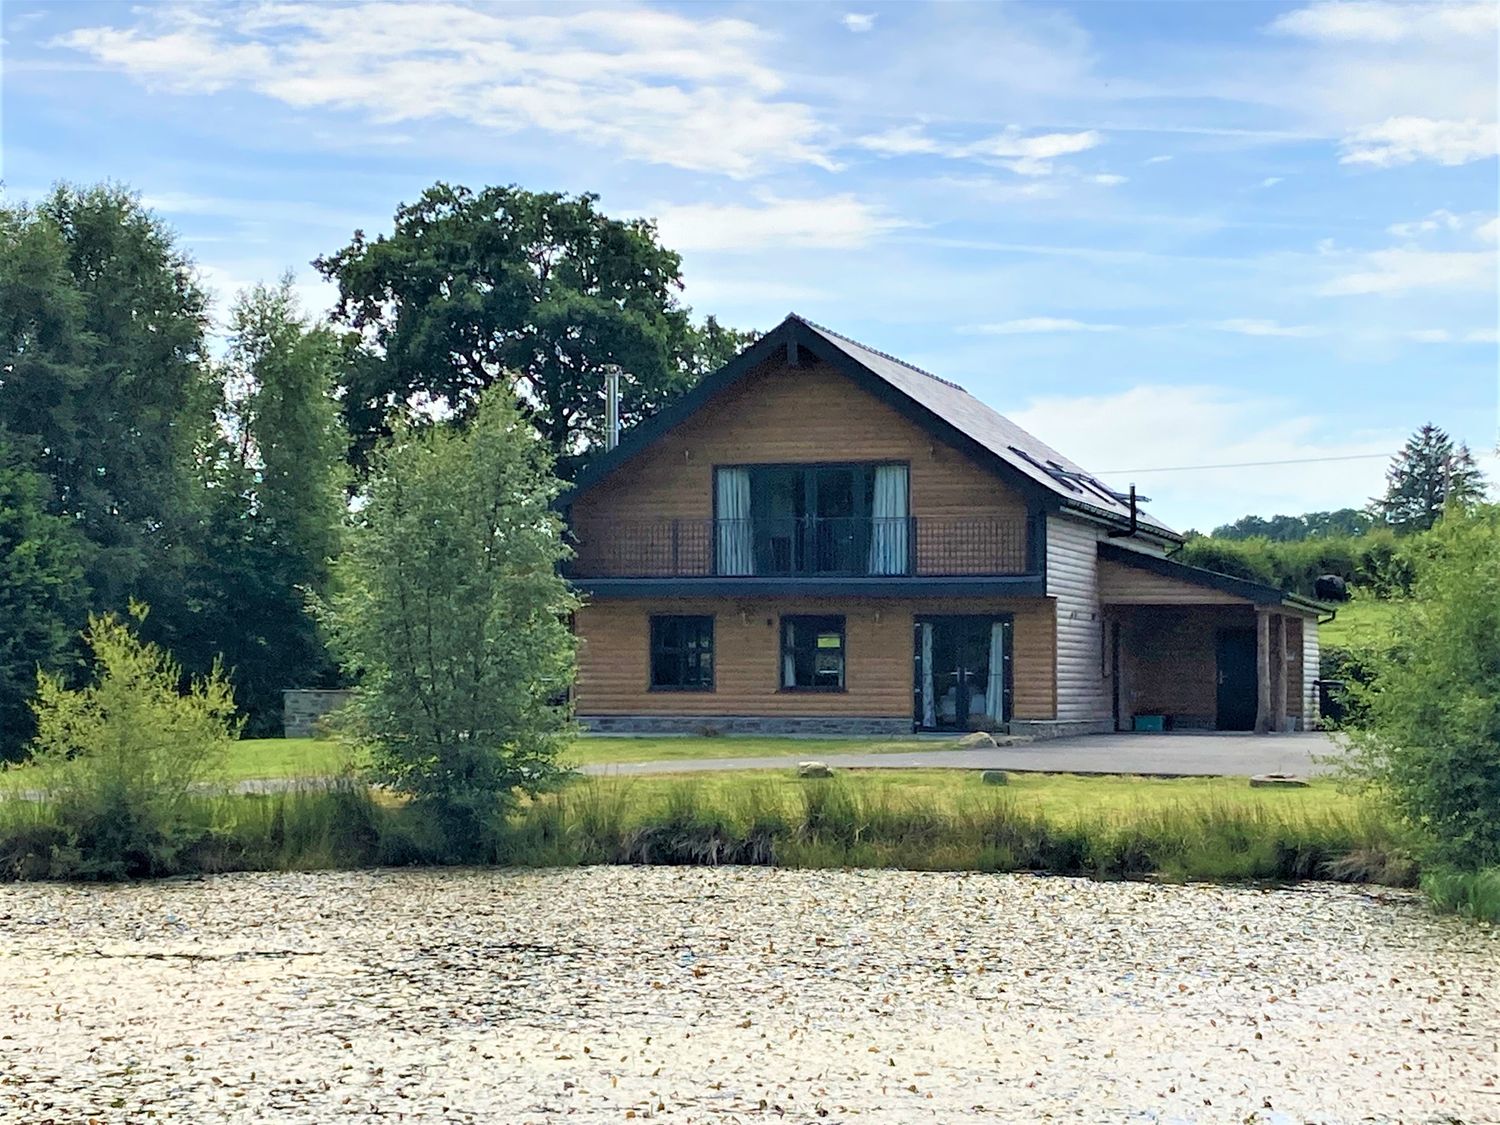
(1257, 593)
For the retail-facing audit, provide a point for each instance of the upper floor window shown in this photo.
(812, 653)
(682, 653)
(812, 519)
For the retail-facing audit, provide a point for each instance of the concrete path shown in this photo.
(1192, 755)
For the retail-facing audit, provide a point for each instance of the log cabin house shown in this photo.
(820, 538)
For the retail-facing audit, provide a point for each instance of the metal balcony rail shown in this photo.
(804, 546)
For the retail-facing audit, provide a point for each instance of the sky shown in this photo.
(1158, 235)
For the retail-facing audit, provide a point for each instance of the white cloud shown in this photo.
(1429, 336)
(1156, 159)
(657, 86)
(1109, 179)
(858, 21)
(1437, 220)
(1488, 232)
(1036, 324)
(1387, 23)
(1203, 425)
(1405, 140)
(830, 222)
(1483, 336)
(1271, 181)
(1395, 271)
(1024, 155)
(1250, 327)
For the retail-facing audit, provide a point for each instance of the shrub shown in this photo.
(1429, 726)
(120, 758)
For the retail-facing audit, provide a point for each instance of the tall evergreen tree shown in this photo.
(106, 389)
(1429, 474)
(43, 599)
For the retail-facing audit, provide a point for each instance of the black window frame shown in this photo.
(783, 649)
(681, 652)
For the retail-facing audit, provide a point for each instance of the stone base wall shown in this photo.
(821, 726)
(301, 710)
(1042, 729)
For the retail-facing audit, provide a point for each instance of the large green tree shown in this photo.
(451, 615)
(274, 507)
(539, 292)
(106, 390)
(1430, 474)
(43, 599)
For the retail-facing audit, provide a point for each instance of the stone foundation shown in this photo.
(301, 710)
(821, 726)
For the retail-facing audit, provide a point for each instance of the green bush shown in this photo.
(1377, 561)
(120, 758)
(1428, 734)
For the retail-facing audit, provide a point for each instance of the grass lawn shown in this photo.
(259, 758)
(1360, 621)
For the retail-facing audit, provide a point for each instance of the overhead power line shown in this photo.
(1249, 464)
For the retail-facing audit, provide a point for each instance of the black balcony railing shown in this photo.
(859, 547)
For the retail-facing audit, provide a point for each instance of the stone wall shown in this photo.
(301, 709)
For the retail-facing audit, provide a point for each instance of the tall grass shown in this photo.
(1474, 893)
(819, 824)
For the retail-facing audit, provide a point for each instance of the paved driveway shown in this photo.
(1220, 754)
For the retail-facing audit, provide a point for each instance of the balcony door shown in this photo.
(833, 519)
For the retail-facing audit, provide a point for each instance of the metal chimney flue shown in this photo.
(612, 406)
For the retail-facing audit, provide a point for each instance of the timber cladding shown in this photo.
(779, 415)
(613, 660)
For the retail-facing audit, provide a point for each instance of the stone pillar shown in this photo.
(1278, 702)
(1262, 671)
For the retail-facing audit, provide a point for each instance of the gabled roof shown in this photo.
(1257, 592)
(944, 408)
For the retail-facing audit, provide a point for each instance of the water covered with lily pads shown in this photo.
(738, 995)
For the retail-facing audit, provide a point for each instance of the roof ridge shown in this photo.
(881, 354)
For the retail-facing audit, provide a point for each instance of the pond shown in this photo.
(734, 995)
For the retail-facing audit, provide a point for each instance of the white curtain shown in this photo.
(994, 696)
(888, 535)
(929, 693)
(736, 555)
(788, 657)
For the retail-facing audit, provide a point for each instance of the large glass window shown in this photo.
(812, 653)
(682, 654)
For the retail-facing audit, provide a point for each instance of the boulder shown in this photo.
(995, 777)
(1277, 781)
(813, 769)
(976, 740)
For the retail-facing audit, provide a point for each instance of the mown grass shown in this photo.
(1361, 622)
(1103, 827)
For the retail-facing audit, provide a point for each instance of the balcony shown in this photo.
(812, 547)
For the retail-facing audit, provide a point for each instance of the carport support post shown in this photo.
(1262, 671)
(1278, 708)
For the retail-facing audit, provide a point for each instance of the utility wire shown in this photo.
(1250, 464)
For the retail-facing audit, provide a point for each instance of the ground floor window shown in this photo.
(682, 653)
(812, 653)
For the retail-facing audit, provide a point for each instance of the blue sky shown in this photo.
(1157, 235)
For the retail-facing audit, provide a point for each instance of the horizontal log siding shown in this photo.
(613, 660)
(1083, 691)
(1125, 585)
(782, 414)
(1311, 659)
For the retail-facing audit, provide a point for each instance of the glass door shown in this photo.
(962, 672)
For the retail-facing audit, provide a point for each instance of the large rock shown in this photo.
(1277, 781)
(813, 769)
(995, 777)
(976, 740)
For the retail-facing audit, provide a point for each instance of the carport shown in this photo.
(1191, 649)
